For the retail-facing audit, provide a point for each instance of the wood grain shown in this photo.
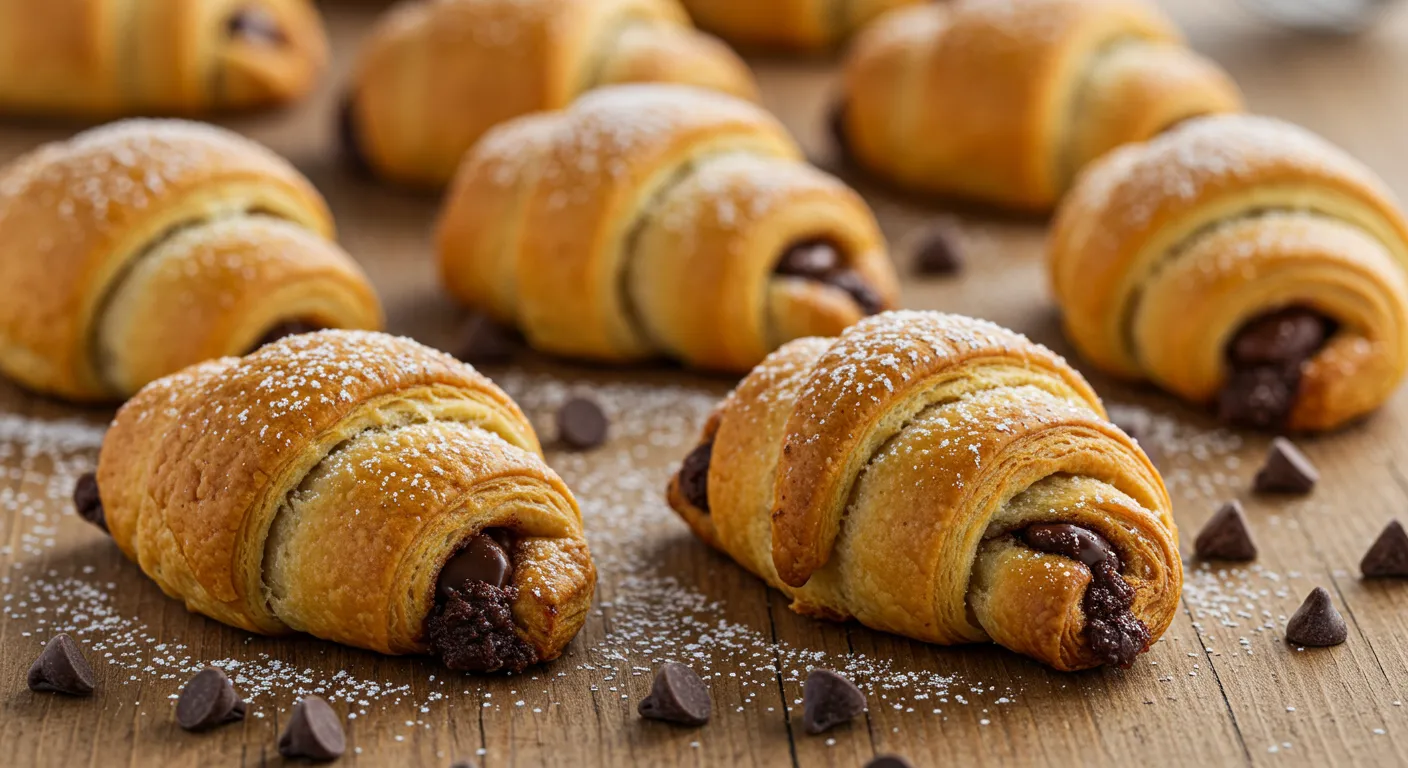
(1221, 688)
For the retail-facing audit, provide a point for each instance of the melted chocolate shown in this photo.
(820, 261)
(1266, 359)
(1115, 634)
(471, 628)
(285, 329)
(694, 476)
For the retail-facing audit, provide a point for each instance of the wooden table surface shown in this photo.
(1222, 687)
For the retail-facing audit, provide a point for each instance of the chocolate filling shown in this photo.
(284, 329)
(256, 25)
(350, 138)
(1115, 634)
(471, 627)
(820, 261)
(694, 476)
(1265, 359)
(89, 502)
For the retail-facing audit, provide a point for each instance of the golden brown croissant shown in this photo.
(355, 486)
(1003, 102)
(659, 220)
(133, 250)
(1240, 261)
(943, 478)
(437, 74)
(799, 25)
(103, 58)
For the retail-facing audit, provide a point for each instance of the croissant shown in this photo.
(659, 220)
(1003, 102)
(437, 74)
(104, 58)
(798, 25)
(135, 249)
(357, 487)
(1239, 262)
(942, 478)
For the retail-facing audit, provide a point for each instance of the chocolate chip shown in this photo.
(1071, 541)
(677, 696)
(851, 282)
(463, 764)
(694, 475)
(1287, 470)
(256, 25)
(314, 731)
(813, 259)
(889, 761)
(1260, 397)
(483, 341)
(483, 559)
(828, 700)
(208, 700)
(285, 329)
(937, 251)
(1286, 336)
(1389, 554)
(1316, 622)
(581, 423)
(88, 501)
(1226, 536)
(61, 668)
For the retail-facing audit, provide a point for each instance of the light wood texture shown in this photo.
(1198, 697)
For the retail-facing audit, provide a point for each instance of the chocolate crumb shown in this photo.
(694, 475)
(88, 501)
(581, 424)
(61, 668)
(1287, 470)
(828, 700)
(313, 731)
(937, 252)
(1226, 536)
(1317, 622)
(482, 341)
(472, 630)
(208, 700)
(677, 696)
(1388, 556)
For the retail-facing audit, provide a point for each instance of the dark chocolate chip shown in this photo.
(1259, 397)
(256, 25)
(314, 731)
(483, 341)
(350, 138)
(88, 502)
(1287, 336)
(677, 696)
(851, 282)
(61, 668)
(889, 761)
(1287, 470)
(1389, 554)
(828, 700)
(694, 475)
(581, 423)
(208, 700)
(284, 330)
(1071, 541)
(1226, 536)
(463, 764)
(1316, 622)
(483, 559)
(472, 630)
(937, 252)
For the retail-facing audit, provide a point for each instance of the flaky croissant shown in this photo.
(798, 25)
(1004, 102)
(1239, 261)
(652, 220)
(436, 74)
(104, 58)
(355, 486)
(131, 251)
(942, 478)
